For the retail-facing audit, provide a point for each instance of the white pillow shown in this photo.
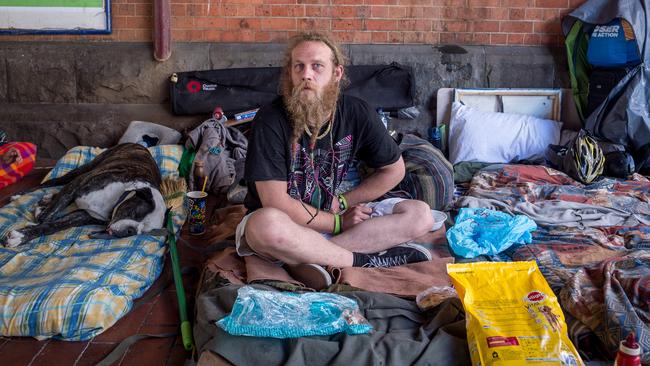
(492, 137)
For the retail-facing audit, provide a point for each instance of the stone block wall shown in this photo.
(60, 95)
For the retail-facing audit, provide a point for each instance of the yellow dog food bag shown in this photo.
(513, 317)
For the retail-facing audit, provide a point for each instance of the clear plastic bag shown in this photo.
(434, 296)
(260, 313)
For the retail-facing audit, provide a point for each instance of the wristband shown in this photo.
(343, 203)
(337, 224)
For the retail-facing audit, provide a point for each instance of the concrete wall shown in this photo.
(62, 95)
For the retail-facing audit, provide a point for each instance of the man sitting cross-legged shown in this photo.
(301, 147)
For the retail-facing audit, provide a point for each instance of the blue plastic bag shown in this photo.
(260, 313)
(483, 231)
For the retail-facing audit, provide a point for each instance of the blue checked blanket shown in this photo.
(66, 285)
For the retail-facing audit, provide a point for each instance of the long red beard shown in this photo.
(310, 113)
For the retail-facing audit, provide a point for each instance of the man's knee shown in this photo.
(417, 215)
(266, 229)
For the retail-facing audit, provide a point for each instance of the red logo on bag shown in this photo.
(193, 86)
(535, 296)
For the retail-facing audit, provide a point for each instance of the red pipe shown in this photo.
(162, 39)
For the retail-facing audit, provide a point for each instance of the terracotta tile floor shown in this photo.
(156, 315)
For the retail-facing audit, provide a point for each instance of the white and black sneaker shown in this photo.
(311, 275)
(398, 255)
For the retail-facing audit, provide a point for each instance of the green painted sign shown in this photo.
(54, 3)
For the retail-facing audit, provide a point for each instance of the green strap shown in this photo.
(185, 166)
(117, 352)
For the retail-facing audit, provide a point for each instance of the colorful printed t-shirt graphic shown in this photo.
(356, 132)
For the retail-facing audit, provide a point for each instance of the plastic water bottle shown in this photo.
(384, 116)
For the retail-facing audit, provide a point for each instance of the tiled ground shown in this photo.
(156, 315)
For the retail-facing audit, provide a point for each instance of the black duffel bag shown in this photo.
(389, 87)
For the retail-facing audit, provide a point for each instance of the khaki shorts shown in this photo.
(381, 208)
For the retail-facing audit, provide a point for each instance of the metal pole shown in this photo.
(162, 30)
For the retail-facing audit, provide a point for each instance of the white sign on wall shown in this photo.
(55, 16)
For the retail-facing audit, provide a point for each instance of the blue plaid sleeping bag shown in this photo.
(65, 285)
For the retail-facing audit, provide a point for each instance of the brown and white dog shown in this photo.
(120, 188)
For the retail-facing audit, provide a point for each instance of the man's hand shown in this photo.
(355, 215)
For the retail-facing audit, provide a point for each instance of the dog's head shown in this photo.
(138, 211)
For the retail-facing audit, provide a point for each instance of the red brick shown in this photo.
(210, 22)
(379, 11)
(477, 3)
(551, 14)
(452, 2)
(396, 37)
(534, 14)
(343, 36)
(432, 38)
(139, 22)
(125, 9)
(212, 35)
(517, 3)
(414, 2)
(380, 2)
(322, 2)
(380, 24)
(182, 22)
(144, 10)
(243, 23)
(263, 11)
(516, 27)
(229, 10)
(344, 11)
(415, 25)
(532, 39)
(344, 2)
(448, 13)
(311, 24)
(379, 37)
(552, 28)
(346, 24)
(197, 9)
(515, 38)
(498, 38)
(576, 3)
(283, 2)
(279, 23)
(318, 11)
(178, 10)
(517, 14)
(231, 36)
(481, 38)
(151, 351)
(362, 37)
(262, 37)
(499, 13)
(287, 11)
(447, 38)
(119, 22)
(486, 26)
(551, 3)
(246, 10)
(454, 26)
(414, 37)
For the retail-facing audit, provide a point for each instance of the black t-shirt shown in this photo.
(356, 132)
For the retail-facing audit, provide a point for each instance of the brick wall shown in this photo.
(480, 22)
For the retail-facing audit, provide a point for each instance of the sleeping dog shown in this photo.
(120, 188)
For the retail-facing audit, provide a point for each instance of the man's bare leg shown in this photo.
(410, 219)
(272, 233)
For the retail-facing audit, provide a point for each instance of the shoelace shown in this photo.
(378, 261)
